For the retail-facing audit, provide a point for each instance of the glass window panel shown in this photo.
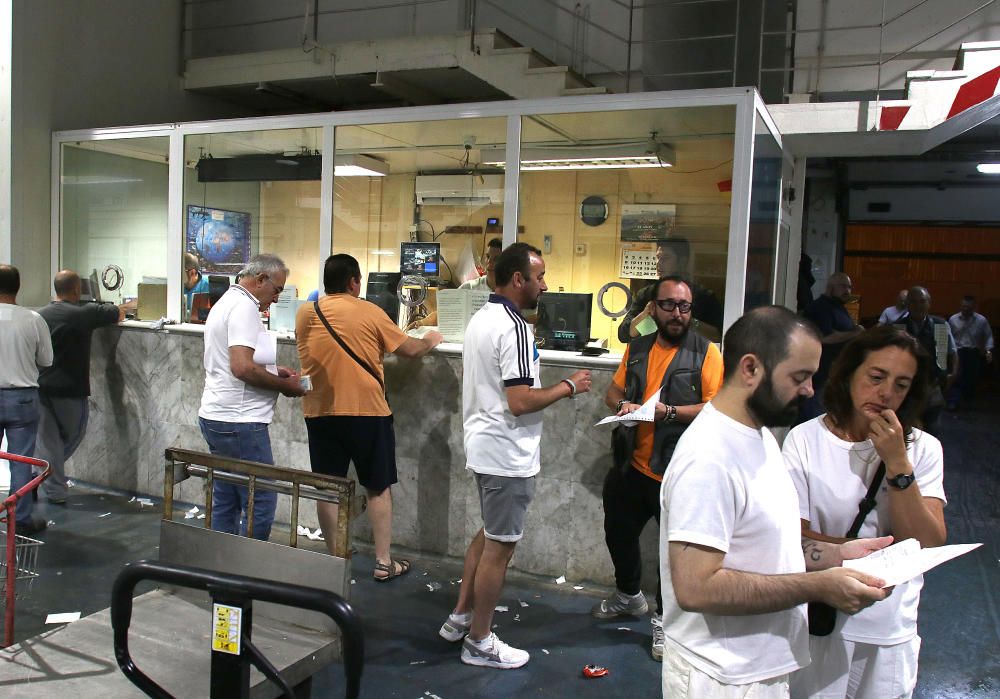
(765, 204)
(434, 184)
(250, 192)
(664, 174)
(114, 209)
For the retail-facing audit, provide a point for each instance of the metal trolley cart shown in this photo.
(19, 563)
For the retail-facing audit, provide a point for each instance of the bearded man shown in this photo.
(734, 575)
(684, 371)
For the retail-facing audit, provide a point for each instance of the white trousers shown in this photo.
(681, 680)
(842, 668)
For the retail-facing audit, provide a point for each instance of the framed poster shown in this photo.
(642, 223)
(220, 239)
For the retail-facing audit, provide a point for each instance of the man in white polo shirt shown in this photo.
(238, 401)
(502, 400)
(734, 575)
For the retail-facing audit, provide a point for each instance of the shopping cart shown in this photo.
(20, 562)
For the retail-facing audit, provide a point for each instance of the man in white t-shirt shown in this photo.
(734, 576)
(25, 346)
(502, 400)
(238, 401)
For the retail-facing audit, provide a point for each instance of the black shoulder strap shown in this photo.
(868, 503)
(364, 365)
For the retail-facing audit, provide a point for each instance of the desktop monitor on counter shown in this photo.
(564, 321)
(90, 288)
(420, 259)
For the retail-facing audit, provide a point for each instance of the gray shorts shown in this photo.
(504, 503)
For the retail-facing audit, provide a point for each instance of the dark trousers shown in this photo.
(970, 370)
(630, 500)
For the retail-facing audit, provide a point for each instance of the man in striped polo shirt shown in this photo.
(502, 400)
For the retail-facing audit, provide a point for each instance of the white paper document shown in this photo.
(455, 307)
(266, 352)
(647, 413)
(906, 560)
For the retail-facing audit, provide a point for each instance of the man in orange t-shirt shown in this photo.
(685, 371)
(347, 416)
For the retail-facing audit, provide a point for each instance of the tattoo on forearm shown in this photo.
(812, 550)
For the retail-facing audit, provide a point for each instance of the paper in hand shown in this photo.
(906, 560)
(266, 352)
(647, 413)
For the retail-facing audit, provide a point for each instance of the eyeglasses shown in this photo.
(669, 305)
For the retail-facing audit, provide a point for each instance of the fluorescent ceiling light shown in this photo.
(989, 168)
(595, 157)
(359, 165)
(97, 179)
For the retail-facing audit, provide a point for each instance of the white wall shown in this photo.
(83, 64)
(927, 204)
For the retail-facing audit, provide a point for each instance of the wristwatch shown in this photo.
(622, 402)
(902, 481)
(671, 413)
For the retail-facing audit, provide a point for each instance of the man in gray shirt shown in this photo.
(65, 386)
(24, 346)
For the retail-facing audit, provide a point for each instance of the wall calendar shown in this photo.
(638, 261)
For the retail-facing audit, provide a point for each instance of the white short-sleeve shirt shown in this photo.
(233, 321)
(727, 488)
(25, 345)
(831, 477)
(499, 352)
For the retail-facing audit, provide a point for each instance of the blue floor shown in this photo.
(959, 614)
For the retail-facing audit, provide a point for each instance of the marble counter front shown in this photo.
(147, 387)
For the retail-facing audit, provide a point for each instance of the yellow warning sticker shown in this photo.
(226, 625)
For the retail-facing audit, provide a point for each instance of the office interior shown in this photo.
(596, 182)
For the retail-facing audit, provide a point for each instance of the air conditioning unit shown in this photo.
(459, 190)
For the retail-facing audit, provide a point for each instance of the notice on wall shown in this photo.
(638, 261)
(455, 308)
(647, 222)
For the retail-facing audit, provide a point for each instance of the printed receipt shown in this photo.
(906, 560)
(647, 413)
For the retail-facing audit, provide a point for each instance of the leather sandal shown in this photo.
(390, 569)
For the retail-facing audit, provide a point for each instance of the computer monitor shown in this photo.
(218, 284)
(90, 288)
(564, 320)
(420, 259)
(381, 291)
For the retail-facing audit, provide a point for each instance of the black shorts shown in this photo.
(367, 440)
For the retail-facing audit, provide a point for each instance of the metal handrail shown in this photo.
(9, 506)
(183, 463)
(233, 586)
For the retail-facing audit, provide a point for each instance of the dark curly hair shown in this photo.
(837, 391)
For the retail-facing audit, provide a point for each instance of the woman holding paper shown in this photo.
(873, 396)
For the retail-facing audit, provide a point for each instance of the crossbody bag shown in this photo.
(350, 353)
(823, 617)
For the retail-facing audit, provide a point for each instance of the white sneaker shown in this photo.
(455, 627)
(620, 604)
(657, 648)
(492, 652)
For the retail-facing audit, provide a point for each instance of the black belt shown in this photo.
(19, 388)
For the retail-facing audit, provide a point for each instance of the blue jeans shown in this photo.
(19, 421)
(249, 441)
